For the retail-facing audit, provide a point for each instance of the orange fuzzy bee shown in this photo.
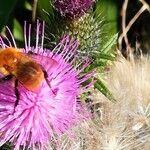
(23, 68)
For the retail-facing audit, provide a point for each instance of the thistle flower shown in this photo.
(88, 31)
(133, 99)
(43, 115)
(72, 9)
(107, 132)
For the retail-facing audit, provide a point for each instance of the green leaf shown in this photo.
(45, 9)
(28, 6)
(6, 8)
(108, 9)
(104, 90)
(108, 56)
(18, 31)
(110, 43)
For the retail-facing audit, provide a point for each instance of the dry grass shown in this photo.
(125, 124)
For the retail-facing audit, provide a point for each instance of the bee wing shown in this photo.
(45, 61)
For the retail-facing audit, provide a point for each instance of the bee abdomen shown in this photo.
(30, 75)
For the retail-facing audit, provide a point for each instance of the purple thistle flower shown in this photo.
(73, 9)
(43, 115)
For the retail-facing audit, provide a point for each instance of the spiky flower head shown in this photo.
(88, 31)
(73, 9)
(43, 115)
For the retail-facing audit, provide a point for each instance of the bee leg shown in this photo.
(6, 78)
(47, 81)
(16, 93)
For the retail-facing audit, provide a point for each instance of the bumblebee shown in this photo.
(21, 67)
